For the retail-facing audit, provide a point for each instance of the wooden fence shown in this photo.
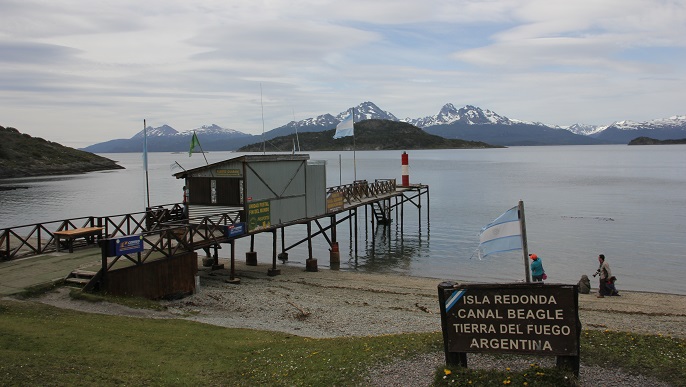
(34, 239)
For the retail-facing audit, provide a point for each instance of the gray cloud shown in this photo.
(182, 63)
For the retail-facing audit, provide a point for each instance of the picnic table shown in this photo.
(68, 236)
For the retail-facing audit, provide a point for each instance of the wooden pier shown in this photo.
(171, 239)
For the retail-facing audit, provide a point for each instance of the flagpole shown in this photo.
(296, 130)
(201, 150)
(525, 247)
(145, 161)
(354, 158)
(264, 146)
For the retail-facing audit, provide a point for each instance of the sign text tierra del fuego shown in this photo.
(515, 320)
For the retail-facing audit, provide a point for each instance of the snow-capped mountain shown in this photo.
(367, 111)
(467, 123)
(467, 115)
(160, 131)
(322, 120)
(167, 139)
(166, 130)
(583, 129)
(213, 129)
(475, 124)
(660, 129)
(661, 123)
(364, 111)
(674, 122)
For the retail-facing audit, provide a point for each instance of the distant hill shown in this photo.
(167, 139)
(22, 155)
(514, 134)
(369, 135)
(652, 141)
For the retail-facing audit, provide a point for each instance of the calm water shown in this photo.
(626, 202)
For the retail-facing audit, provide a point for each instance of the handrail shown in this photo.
(170, 239)
(361, 189)
(38, 238)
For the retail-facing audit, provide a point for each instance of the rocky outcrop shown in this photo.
(652, 141)
(22, 155)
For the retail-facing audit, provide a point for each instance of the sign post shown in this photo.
(519, 318)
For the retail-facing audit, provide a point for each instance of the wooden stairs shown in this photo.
(82, 279)
(382, 212)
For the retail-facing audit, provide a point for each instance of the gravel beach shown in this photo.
(331, 303)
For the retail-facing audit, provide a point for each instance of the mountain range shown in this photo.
(467, 123)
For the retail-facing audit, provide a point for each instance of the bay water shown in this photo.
(627, 202)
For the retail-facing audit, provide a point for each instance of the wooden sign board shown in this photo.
(334, 202)
(514, 318)
(259, 215)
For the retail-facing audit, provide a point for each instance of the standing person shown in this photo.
(605, 274)
(537, 271)
(185, 202)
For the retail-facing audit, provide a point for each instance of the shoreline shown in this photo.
(332, 303)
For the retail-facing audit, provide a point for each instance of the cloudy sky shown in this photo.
(80, 72)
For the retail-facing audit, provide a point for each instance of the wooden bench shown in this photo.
(89, 233)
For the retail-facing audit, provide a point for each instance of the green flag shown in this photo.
(194, 142)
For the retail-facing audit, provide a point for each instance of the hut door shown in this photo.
(216, 191)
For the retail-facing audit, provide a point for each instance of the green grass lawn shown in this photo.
(43, 345)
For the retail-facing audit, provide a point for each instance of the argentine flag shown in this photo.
(345, 128)
(503, 234)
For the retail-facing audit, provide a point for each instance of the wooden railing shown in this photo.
(34, 239)
(172, 238)
(361, 189)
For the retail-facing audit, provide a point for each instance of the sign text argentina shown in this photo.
(512, 318)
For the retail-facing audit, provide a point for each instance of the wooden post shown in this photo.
(232, 273)
(310, 262)
(334, 237)
(365, 211)
(402, 214)
(419, 209)
(283, 239)
(309, 240)
(104, 246)
(283, 256)
(215, 264)
(356, 232)
(428, 207)
(273, 271)
(251, 256)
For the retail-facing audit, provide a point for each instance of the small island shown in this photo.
(369, 135)
(22, 156)
(652, 141)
